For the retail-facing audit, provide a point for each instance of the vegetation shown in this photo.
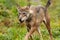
(10, 28)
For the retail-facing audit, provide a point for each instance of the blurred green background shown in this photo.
(10, 28)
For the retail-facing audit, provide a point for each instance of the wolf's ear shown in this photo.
(18, 7)
(29, 4)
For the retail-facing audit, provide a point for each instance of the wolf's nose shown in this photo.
(20, 20)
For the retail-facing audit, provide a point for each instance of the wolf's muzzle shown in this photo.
(21, 21)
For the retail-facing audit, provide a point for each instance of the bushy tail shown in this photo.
(48, 4)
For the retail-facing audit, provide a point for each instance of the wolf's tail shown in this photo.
(48, 4)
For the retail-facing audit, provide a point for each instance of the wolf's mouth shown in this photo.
(21, 21)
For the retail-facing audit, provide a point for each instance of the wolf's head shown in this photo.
(23, 13)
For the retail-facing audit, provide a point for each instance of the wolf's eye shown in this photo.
(23, 13)
(19, 13)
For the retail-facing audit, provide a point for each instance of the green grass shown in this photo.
(10, 28)
(18, 33)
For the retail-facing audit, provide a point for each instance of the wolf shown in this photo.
(33, 16)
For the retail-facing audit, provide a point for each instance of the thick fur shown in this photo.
(33, 16)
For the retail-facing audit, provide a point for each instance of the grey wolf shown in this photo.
(33, 16)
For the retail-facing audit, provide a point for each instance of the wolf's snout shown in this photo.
(20, 20)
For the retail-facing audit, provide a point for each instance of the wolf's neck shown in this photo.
(29, 19)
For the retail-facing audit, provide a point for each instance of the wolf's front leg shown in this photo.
(33, 29)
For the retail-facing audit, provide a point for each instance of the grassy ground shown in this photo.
(10, 29)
